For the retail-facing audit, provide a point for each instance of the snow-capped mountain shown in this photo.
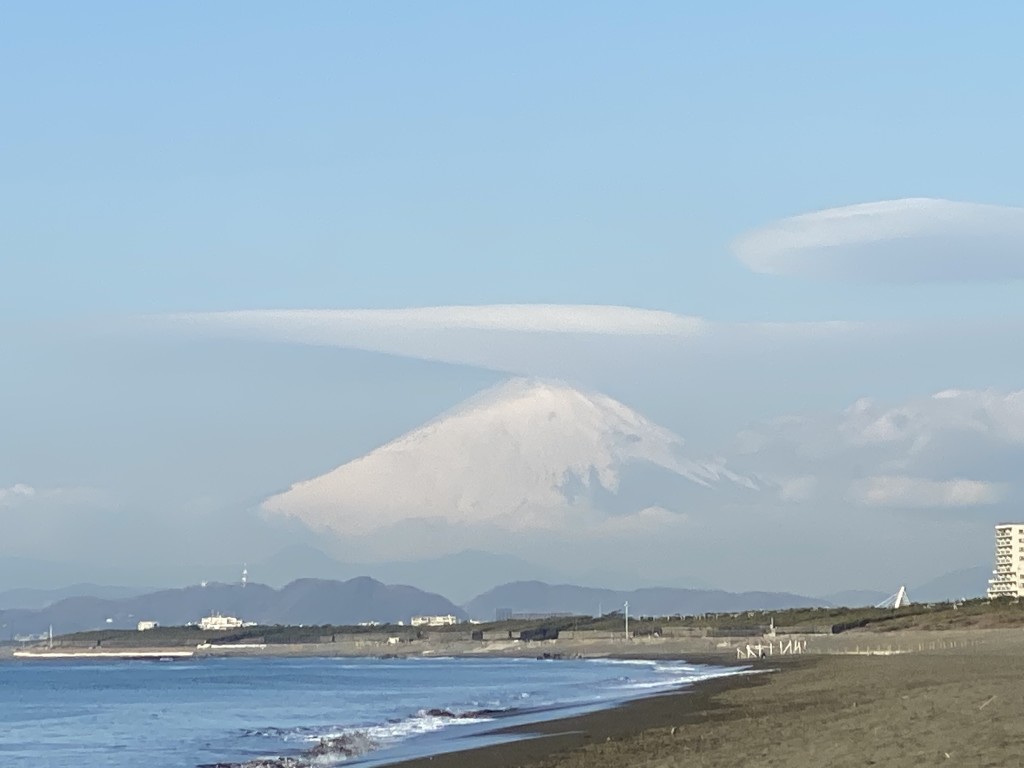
(524, 455)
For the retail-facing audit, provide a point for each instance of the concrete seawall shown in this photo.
(596, 645)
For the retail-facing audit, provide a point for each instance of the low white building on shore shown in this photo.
(434, 621)
(218, 622)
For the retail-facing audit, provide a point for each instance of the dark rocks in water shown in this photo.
(478, 713)
(470, 715)
(348, 745)
(438, 713)
(344, 746)
(264, 762)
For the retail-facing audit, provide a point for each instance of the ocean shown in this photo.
(315, 711)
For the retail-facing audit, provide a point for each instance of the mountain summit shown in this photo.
(525, 455)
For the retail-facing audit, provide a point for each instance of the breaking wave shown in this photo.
(324, 746)
(336, 745)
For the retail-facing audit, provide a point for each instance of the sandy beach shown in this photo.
(961, 707)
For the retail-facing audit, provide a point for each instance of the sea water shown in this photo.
(182, 714)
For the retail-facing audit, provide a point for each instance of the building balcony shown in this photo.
(997, 593)
(1003, 580)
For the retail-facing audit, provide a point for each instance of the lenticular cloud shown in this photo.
(909, 240)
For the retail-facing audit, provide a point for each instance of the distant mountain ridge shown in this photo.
(305, 601)
(539, 597)
(323, 601)
(458, 576)
(965, 583)
(855, 598)
(34, 599)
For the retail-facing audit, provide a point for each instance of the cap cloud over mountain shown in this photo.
(528, 455)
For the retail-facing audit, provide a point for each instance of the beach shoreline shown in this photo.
(549, 739)
(892, 699)
(957, 706)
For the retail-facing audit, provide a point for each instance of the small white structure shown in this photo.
(218, 622)
(144, 625)
(765, 649)
(231, 646)
(434, 621)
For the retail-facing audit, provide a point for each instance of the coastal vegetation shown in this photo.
(978, 613)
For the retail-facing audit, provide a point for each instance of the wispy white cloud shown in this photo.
(993, 415)
(528, 339)
(525, 339)
(919, 492)
(20, 494)
(906, 240)
(337, 326)
(16, 493)
(645, 522)
(797, 488)
(957, 448)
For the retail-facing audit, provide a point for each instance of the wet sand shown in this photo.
(963, 708)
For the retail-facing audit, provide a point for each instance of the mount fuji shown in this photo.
(526, 455)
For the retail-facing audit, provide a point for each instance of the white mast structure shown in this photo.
(245, 575)
(899, 600)
(626, 608)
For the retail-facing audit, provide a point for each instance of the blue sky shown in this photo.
(168, 158)
(175, 159)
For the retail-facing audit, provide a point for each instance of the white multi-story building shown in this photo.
(1008, 577)
(218, 622)
(434, 621)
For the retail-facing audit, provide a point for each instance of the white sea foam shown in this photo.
(390, 733)
(667, 675)
(366, 705)
(676, 682)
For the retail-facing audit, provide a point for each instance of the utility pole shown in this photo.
(626, 607)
